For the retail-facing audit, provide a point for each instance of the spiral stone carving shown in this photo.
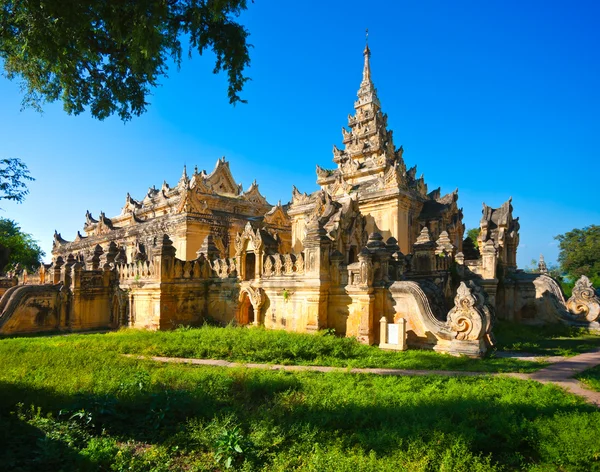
(466, 319)
(584, 303)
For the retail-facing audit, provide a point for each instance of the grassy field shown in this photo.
(548, 340)
(75, 403)
(591, 378)
(95, 409)
(276, 347)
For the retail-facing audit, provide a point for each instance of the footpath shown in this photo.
(560, 372)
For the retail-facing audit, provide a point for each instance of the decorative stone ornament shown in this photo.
(466, 319)
(584, 303)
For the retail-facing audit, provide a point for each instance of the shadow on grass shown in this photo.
(489, 426)
(548, 340)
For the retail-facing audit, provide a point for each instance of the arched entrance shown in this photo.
(246, 310)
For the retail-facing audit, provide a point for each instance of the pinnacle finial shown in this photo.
(184, 175)
(367, 54)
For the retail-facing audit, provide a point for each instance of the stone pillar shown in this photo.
(75, 315)
(111, 256)
(65, 273)
(380, 257)
(316, 249)
(489, 256)
(460, 264)
(258, 263)
(94, 261)
(424, 253)
(164, 258)
(336, 260)
(57, 269)
(317, 267)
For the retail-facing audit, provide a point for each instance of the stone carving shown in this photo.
(424, 236)
(268, 266)
(542, 267)
(288, 264)
(466, 319)
(584, 303)
(443, 244)
(300, 264)
(278, 264)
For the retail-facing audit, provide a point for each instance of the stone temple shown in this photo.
(372, 254)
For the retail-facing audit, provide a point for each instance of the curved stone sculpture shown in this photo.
(584, 303)
(466, 319)
(466, 330)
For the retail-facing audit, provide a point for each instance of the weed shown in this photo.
(230, 446)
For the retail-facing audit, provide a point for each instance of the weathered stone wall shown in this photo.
(31, 309)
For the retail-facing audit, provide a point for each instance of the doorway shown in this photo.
(246, 311)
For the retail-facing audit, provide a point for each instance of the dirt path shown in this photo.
(560, 373)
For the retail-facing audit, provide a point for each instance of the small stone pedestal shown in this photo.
(393, 335)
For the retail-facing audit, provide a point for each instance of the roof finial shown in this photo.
(367, 53)
(367, 36)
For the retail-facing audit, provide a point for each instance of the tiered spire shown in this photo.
(369, 157)
(369, 146)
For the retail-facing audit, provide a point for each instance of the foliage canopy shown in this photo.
(13, 174)
(473, 234)
(106, 55)
(580, 253)
(17, 247)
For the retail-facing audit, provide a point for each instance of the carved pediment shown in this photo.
(323, 173)
(449, 198)
(221, 181)
(277, 216)
(104, 225)
(192, 203)
(58, 240)
(130, 205)
(253, 195)
(299, 198)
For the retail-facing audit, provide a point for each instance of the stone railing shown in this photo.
(137, 271)
(225, 267)
(443, 262)
(283, 265)
(197, 269)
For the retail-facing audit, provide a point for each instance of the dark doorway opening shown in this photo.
(250, 266)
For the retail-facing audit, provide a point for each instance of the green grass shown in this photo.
(277, 347)
(591, 378)
(548, 340)
(97, 410)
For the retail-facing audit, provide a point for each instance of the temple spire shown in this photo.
(367, 67)
(184, 180)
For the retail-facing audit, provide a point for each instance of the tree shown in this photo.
(19, 247)
(580, 253)
(13, 174)
(472, 234)
(106, 55)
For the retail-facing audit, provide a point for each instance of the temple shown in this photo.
(372, 254)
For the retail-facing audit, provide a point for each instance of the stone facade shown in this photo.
(372, 248)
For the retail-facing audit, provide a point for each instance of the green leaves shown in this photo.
(17, 247)
(580, 253)
(106, 56)
(13, 174)
(230, 446)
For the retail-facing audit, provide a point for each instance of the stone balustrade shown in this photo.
(137, 271)
(283, 265)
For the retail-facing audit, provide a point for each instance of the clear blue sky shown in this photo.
(497, 98)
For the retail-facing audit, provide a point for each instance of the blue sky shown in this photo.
(497, 98)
